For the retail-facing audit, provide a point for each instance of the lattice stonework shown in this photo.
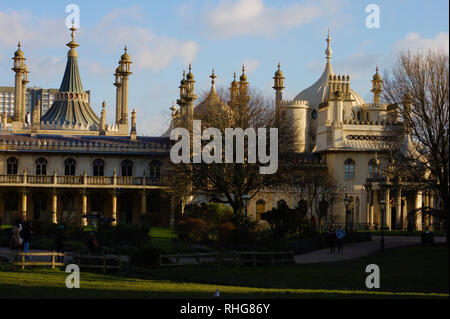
(377, 138)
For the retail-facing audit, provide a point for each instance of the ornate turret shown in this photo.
(103, 119)
(189, 97)
(243, 84)
(124, 70)
(234, 88)
(21, 71)
(278, 85)
(118, 85)
(377, 87)
(133, 126)
(71, 106)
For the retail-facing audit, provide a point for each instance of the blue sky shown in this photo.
(164, 36)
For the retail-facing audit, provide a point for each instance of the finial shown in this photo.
(234, 76)
(278, 65)
(173, 108)
(19, 45)
(125, 49)
(73, 31)
(184, 74)
(243, 69)
(328, 51)
(212, 76)
(103, 104)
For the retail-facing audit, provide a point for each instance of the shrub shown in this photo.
(146, 256)
(225, 231)
(122, 235)
(194, 229)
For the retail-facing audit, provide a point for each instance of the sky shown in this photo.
(163, 37)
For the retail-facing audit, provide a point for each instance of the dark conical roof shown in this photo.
(72, 108)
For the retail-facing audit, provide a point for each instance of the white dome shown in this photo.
(318, 92)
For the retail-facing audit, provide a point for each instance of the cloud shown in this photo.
(251, 65)
(148, 50)
(253, 17)
(414, 41)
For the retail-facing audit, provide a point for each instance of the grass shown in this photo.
(413, 272)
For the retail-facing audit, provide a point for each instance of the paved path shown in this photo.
(357, 250)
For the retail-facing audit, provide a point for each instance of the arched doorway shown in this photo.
(39, 206)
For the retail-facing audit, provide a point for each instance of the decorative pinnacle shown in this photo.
(73, 32)
(243, 69)
(19, 45)
(212, 76)
(328, 51)
(234, 76)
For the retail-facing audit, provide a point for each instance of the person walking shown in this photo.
(26, 235)
(331, 239)
(60, 237)
(340, 234)
(16, 241)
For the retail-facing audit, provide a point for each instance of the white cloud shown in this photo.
(414, 41)
(148, 50)
(251, 65)
(253, 17)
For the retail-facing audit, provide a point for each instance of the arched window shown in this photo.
(127, 167)
(69, 167)
(155, 169)
(349, 168)
(41, 166)
(99, 167)
(11, 166)
(260, 208)
(373, 168)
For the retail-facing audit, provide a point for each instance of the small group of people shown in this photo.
(21, 237)
(336, 238)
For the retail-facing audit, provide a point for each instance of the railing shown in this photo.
(80, 180)
(236, 258)
(100, 262)
(19, 258)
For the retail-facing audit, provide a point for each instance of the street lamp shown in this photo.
(382, 208)
(245, 200)
(347, 203)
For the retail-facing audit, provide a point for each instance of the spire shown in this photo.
(328, 51)
(213, 76)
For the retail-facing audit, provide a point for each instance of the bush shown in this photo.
(122, 235)
(194, 229)
(146, 256)
(225, 231)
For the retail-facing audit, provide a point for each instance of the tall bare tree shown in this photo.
(419, 85)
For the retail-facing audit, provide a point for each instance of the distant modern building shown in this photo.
(46, 98)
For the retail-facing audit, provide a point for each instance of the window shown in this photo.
(127, 168)
(260, 208)
(349, 168)
(155, 169)
(12, 163)
(373, 168)
(99, 167)
(41, 166)
(69, 167)
(314, 114)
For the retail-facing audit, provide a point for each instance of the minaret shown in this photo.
(278, 86)
(103, 119)
(118, 85)
(377, 87)
(19, 68)
(189, 98)
(124, 68)
(328, 51)
(243, 84)
(133, 126)
(181, 101)
(24, 89)
(234, 88)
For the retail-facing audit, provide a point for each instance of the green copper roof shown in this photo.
(71, 81)
(71, 111)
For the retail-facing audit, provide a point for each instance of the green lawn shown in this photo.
(405, 273)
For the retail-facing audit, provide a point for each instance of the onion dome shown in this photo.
(125, 57)
(18, 53)
(243, 77)
(279, 72)
(190, 76)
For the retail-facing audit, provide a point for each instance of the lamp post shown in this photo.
(346, 202)
(245, 200)
(382, 208)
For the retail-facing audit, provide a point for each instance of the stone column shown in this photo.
(114, 207)
(368, 207)
(398, 215)
(124, 106)
(405, 212)
(24, 205)
(84, 209)
(143, 202)
(54, 207)
(387, 215)
(18, 97)
(418, 204)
